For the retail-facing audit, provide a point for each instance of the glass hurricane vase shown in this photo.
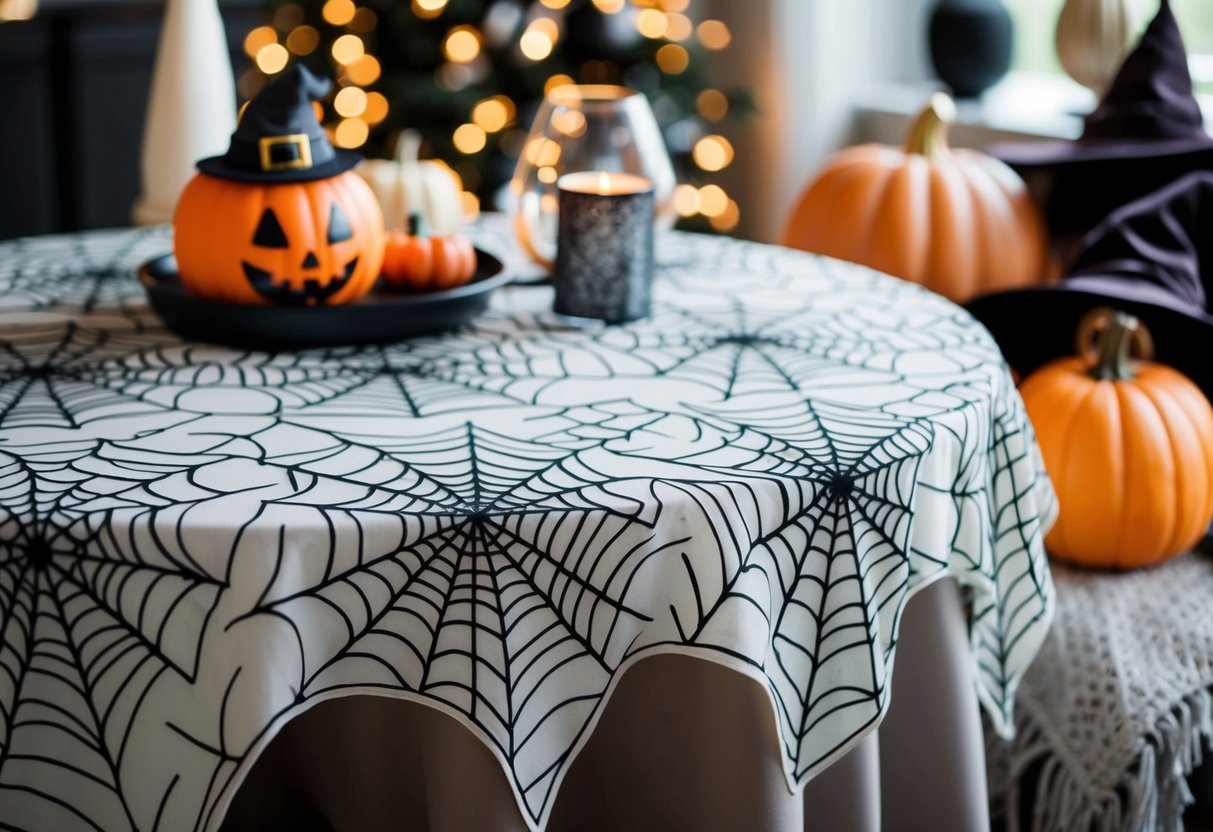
(578, 127)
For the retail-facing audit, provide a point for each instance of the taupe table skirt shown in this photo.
(684, 744)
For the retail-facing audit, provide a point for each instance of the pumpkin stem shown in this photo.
(417, 225)
(928, 135)
(408, 146)
(1112, 347)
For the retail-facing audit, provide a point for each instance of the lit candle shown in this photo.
(604, 250)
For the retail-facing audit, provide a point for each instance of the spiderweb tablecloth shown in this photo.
(1113, 713)
(197, 543)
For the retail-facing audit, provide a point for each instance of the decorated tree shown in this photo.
(467, 75)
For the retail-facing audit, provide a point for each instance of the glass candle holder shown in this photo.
(585, 127)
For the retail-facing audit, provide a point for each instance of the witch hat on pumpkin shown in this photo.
(1147, 132)
(279, 139)
(1153, 259)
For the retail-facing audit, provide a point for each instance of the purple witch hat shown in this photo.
(1152, 258)
(1147, 131)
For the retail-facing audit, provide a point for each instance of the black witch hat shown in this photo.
(279, 138)
(1153, 259)
(1148, 131)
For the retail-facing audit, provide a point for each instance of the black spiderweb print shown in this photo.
(196, 542)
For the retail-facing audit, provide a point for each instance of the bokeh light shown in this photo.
(303, 40)
(469, 138)
(712, 105)
(351, 101)
(714, 34)
(462, 45)
(347, 49)
(351, 133)
(376, 108)
(673, 59)
(338, 12)
(712, 153)
(258, 39)
(272, 58)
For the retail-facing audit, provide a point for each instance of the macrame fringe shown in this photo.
(1152, 796)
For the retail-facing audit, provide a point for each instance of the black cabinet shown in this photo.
(74, 82)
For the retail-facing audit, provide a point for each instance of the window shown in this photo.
(1035, 21)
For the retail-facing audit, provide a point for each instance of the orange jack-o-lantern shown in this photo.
(294, 243)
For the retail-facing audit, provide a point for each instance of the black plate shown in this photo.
(383, 316)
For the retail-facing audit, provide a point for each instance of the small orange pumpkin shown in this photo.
(295, 243)
(958, 222)
(1128, 445)
(415, 260)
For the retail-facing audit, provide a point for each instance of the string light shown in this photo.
(303, 40)
(569, 122)
(352, 101)
(469, 139)
(712, 153)
(678, 26)
(652, 24)
(686, 200)
(727, 219)
(712, 105)
(554, 4)
(364, 72)
(609, 6)
(347, 49)
(258, 39)
(428, 9)
(675, 5)
(493, 114)
(542, 152)
(713, 201)
(557, 81)
(376, 108)
(714, 34)
(539, 38)
(673, 59)
(338, 12)
(272, 58)
(547, 175)
(351, 133)
(462, 45)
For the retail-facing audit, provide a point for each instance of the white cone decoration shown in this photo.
(192, 109)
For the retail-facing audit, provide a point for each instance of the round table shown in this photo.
(198, 543)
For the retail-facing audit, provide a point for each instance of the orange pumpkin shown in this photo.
(958, 222)
(295, 243)
(1128, 445)
(414, 260)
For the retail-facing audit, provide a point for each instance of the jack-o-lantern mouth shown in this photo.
(314, 291)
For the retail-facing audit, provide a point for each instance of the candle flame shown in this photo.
(604, 183)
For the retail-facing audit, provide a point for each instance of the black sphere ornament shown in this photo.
(971, 44)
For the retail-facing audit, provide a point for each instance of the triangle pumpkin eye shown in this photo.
(339, 226)
(269, 232)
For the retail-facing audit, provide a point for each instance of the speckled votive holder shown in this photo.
(604, 247)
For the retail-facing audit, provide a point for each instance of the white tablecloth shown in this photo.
(199, 543)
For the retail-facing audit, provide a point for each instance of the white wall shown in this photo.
(806, 60)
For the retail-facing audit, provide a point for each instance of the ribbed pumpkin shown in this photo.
(1128, 445)
(959, 222)
(294, 243)
(416, 260)
(1093, 37)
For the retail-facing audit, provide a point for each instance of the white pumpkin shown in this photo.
(1093, 38)
(405, 186)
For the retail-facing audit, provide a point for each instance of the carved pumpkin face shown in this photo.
(298, 244)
